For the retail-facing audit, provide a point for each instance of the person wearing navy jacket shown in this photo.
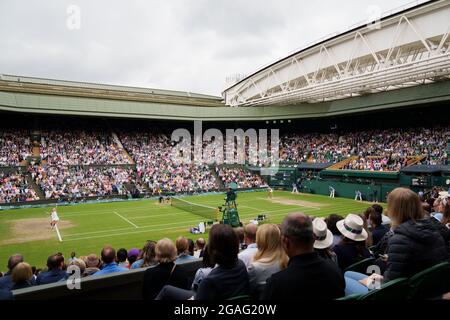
(55, 273)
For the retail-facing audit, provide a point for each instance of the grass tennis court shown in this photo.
(86, 228)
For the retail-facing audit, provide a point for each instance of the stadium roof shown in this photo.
(406, 47)
(46, 97)
(14, 83)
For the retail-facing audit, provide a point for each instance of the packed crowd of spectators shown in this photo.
(303, 258)
(60, 182)
(243, 178)
(80, 147)
(377, 164)
(14, 188)
(392, 143)
(314, 147)
(15, 146)
(156, 169)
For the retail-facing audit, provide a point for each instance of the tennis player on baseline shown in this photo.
(55, 218)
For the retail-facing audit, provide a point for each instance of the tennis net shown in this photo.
(195, 208)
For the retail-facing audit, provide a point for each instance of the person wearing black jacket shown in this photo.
(415, 246)
(227, 280)
(165, 272)
(307, 276)
(417, 243)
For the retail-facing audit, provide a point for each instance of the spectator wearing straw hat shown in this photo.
(323, 240)
(352, 248)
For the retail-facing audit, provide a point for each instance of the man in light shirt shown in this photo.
(250, 240)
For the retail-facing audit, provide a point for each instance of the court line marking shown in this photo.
(163, 224)
(181, 212)
(266, 199)
(150, 228)
(125, 219)
(300, 205)
(57, 233)
(129, 228)
(258, 211)
(149, 206)
(241, 206)
(106, 211)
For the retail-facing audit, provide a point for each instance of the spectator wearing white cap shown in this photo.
(323, 240)
(352, 248)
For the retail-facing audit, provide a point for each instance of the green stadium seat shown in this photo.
(361, 266)
(393, 290)
(350, 297)
(189, 269)
(430, 283)
(115, 286)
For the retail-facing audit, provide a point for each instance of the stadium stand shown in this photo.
(79, 147)
(59, 182)
(244, 179)
(15, 146)
(372, 128)
(156, 170)
(142, 160)
(391, 146)
(15, 188)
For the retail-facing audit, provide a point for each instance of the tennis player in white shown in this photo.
(269, 192)
(55, 218)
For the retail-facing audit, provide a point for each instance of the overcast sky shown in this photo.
(188, 45)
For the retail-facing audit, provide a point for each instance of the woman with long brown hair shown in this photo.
(416, 244)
